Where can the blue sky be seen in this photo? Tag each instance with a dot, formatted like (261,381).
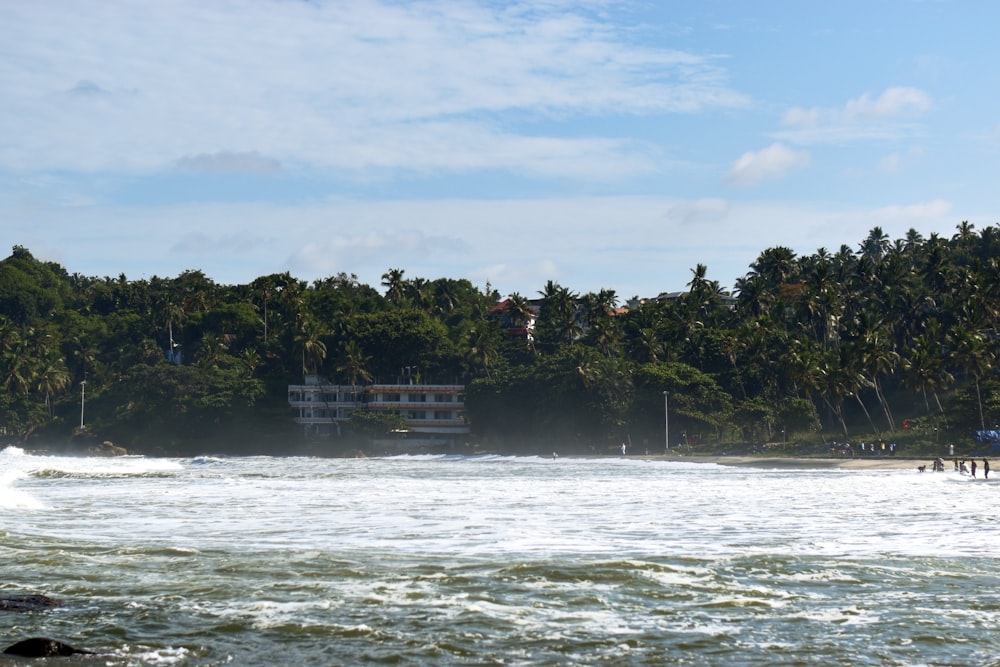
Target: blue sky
(598,144)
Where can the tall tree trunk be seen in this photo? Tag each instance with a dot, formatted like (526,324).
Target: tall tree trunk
(857,395)
(838,410)
(885,405)
(979,401)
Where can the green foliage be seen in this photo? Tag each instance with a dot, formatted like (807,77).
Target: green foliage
(367,425)
(842,344)
(166,403)
(697,403)
(29,289)
(502,406)
(406,338)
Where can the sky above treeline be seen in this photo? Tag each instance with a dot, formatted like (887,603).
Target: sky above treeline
(599,144)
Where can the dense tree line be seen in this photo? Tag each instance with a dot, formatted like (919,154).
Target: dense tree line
(832,345)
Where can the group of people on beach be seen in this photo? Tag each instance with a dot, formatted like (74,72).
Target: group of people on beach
(971,468)
(880,448)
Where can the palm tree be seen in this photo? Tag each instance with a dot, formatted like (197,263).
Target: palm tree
(518,310)
(820,308)
(354,363)
(392,281)
(18,366)
(51,379)
(971,354)
(700,288)
(419,293)
(251,360)
(913,241)
(446,296)
(649,347)
(312,347)
(210,351)
(965,233)
(776,266)
(753,297)
(558,323)
(170,314)
(878,359)
(9,335)
(875,246)
(483,345)
(923,370)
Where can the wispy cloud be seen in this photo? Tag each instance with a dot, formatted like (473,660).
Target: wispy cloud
(699,211)
(87,89)
(515,245)
(891,114)
(226,161)
(892,102)
(899,160)
(918,213)
(770,163)
(328,256)
(199,244)
(344,85)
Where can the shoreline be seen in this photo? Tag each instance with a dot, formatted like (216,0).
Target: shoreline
(792,462)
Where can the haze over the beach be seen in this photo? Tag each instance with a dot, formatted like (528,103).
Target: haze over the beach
(599,144)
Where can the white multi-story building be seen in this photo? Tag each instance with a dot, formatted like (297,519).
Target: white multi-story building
(433,414)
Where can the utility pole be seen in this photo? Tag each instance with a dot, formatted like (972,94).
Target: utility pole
(83,400)
(666,422)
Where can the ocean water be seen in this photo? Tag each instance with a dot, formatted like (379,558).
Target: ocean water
(498,561)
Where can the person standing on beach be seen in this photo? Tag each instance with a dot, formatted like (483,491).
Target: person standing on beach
(973,465)
(986,469)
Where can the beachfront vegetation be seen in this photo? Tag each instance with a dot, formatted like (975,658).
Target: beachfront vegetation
(894,339)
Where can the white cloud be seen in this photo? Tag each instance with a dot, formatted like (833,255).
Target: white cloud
(770,163)
(227,161)
(345,85)
(199,244)
(525,274)
(899,160)
(634,245)
(699,211)
(87,89)
(892,102)
(915,213)
(888,116)
(324,256)
(803,117)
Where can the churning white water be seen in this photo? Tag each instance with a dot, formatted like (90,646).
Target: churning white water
(498,560)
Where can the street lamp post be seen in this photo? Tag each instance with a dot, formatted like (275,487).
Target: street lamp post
(83,400)
(666,422)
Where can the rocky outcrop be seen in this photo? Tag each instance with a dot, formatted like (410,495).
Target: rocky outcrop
(106,448)
(36,647)
(27,603)
(42,647)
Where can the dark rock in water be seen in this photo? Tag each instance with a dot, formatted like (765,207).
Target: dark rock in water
(107,448)
(40,647)
(28,603)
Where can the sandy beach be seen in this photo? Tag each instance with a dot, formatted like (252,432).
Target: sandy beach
(884,463)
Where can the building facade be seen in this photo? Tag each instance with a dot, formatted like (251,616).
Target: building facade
(433,414)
